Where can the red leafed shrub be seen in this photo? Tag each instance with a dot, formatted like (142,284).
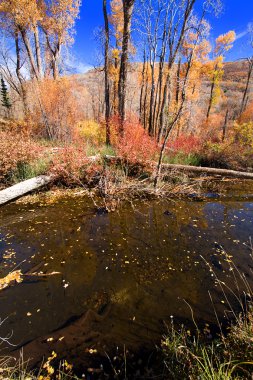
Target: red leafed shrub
(16,148)
(72,166)
(185,144)
(136,146)
(247,115)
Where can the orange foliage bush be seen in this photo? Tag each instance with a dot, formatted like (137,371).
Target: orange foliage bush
(247,114)
(136,146)
(72,166)
(55,110)
(212,129)
(16,148)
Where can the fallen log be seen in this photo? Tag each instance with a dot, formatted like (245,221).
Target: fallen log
(213,171)
(24,188)
(195,169)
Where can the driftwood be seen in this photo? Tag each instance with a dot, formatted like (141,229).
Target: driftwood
(212,171)
(23,188)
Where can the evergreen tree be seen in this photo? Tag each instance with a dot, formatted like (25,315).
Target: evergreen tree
(5,97)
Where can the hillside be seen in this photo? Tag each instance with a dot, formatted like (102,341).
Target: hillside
(232,85)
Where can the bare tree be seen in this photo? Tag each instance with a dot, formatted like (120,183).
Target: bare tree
(180,14)
(141,118)
(11,64)
(128,6)
(106,73)
(249,60)
(174,48)
(153,26)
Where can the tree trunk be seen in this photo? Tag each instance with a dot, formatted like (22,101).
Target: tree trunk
(178,80)
(211,95)
(29,53)
(116,81)
(19,76)
(106,68)
(210,101)
(128,6)
(23,188)
(38,52)
(55,61)
(224,129)
(153,54)
(157,105)
(152,95)
(250,70)
(163,105)
(142,87)
(213,171)
(54,53)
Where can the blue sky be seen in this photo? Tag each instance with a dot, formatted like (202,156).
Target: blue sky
(236,15)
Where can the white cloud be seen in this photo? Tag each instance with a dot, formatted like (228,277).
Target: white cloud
(82,67)
(248,30)
(74,64)
(242,34)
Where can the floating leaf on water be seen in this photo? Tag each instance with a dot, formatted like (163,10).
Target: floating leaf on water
(15,276)
(92,351)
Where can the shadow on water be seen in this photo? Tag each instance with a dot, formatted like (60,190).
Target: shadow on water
(121,276)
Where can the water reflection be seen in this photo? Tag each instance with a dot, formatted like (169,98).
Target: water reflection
(124,274)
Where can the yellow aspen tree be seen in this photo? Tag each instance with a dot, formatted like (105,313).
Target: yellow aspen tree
(117,22)
(58,26)
(223,44)
(21,17)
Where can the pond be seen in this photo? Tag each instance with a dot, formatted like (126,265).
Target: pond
(97,283)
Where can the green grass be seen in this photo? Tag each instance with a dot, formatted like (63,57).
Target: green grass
(29,170)
(186,357)
(107,150)
(93,150)
(183,159)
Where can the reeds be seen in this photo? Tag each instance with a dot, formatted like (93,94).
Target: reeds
(228,356)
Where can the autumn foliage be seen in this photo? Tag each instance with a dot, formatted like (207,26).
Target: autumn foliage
(185,144)
(55,110)
(71,165)
(136,146)
(247,115)
(16,148)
